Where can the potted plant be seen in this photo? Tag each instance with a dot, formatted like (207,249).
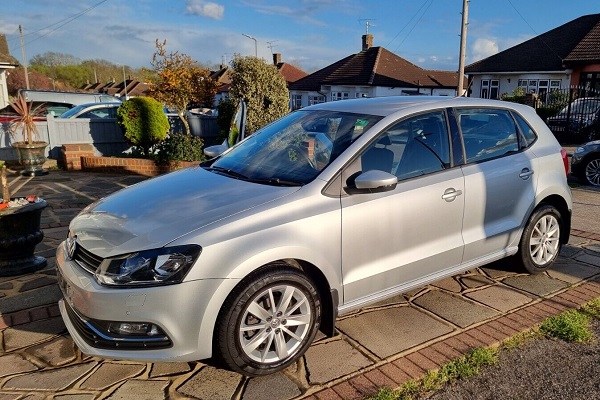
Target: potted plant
(32,153)
(19,232)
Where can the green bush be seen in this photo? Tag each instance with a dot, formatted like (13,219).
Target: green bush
(179,147)
(143,121)
(225,111)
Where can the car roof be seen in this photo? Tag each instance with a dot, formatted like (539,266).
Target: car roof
(384,106)
(102,104)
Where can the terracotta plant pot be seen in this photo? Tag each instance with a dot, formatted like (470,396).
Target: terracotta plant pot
(19,234)
(32,156)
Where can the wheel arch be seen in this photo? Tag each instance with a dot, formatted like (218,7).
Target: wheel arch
(561,205)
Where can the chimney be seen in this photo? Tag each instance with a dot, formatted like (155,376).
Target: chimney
(276,58)
(367,41)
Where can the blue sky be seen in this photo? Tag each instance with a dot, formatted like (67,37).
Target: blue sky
(308,33)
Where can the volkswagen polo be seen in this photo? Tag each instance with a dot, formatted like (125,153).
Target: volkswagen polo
(331,208)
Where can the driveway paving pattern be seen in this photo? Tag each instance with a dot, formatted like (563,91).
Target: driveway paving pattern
(382,345)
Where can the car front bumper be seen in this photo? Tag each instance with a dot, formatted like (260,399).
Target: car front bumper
(183,313)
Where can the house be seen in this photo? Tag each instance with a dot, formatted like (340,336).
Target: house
(373,72)
(560,58)
(7,62)
(222,76)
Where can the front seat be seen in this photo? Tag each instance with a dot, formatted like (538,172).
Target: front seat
(377,157)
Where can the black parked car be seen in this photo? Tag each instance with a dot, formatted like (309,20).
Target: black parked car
(578,121)
(585,163)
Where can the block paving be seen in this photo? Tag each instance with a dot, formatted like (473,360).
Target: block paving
(383,345)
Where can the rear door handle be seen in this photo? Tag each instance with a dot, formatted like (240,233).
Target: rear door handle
(450,194)
(525,173)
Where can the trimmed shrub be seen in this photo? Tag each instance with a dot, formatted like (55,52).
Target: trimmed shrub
(179,147)
(143,122)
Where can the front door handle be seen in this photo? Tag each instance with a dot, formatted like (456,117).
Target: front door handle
(450,194)
(525,173)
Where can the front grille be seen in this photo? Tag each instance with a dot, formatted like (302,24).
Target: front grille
(93,336)
(86,260)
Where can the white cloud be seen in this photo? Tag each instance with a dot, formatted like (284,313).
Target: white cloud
(205,9)
(483,48)
(433,58)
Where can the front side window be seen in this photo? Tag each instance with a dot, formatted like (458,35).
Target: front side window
(294,149)
(487,133)
(413,147)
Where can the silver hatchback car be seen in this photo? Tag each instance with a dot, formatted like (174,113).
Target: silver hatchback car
(329,209)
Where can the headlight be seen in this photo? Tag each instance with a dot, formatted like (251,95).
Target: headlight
(148,268)
(579,150)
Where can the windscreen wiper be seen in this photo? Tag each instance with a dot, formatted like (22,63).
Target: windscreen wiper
(228,172)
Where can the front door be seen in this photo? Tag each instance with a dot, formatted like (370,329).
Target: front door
(412,232)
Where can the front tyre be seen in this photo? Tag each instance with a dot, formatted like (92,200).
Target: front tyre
(268,321)
(540,243)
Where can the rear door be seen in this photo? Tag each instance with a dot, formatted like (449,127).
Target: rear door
(500,179)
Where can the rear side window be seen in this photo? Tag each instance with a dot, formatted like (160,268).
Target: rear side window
(528,136)
(487,133)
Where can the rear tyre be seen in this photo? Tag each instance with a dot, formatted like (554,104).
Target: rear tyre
(592,171)
(540,243)
(268,321)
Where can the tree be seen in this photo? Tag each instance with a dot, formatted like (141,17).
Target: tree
(262,87)
(179,80)
(54,59)
(144,122)
(16,81)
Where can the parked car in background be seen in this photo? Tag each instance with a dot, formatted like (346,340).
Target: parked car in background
(327,210)
(93,111)
(580,120)
(585,163)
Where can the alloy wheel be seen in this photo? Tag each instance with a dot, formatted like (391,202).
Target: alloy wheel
(275,324)
(545,239)
(592,172)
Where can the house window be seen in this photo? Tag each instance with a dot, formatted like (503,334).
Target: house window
(490,88)
(523,83)
(555,84)
(360,95)
(590,82)
(296,101)
(335,96)
(315,100)
(543,89)
(532,86)
(485,89)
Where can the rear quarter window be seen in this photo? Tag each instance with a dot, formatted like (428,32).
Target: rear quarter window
(528,136)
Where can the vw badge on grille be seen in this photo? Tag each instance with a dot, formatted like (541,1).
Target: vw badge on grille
(71,246)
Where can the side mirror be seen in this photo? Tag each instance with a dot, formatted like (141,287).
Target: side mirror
(215,151)
(375,181)
(237,132)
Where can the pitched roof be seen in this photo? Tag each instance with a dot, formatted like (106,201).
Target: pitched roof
(547,51)
(588,49)
(290,73)
(375,66)
(5,57)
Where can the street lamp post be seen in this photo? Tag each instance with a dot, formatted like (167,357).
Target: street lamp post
(255,44)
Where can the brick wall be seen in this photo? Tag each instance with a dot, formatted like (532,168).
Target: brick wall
(81,157)
(71,155)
